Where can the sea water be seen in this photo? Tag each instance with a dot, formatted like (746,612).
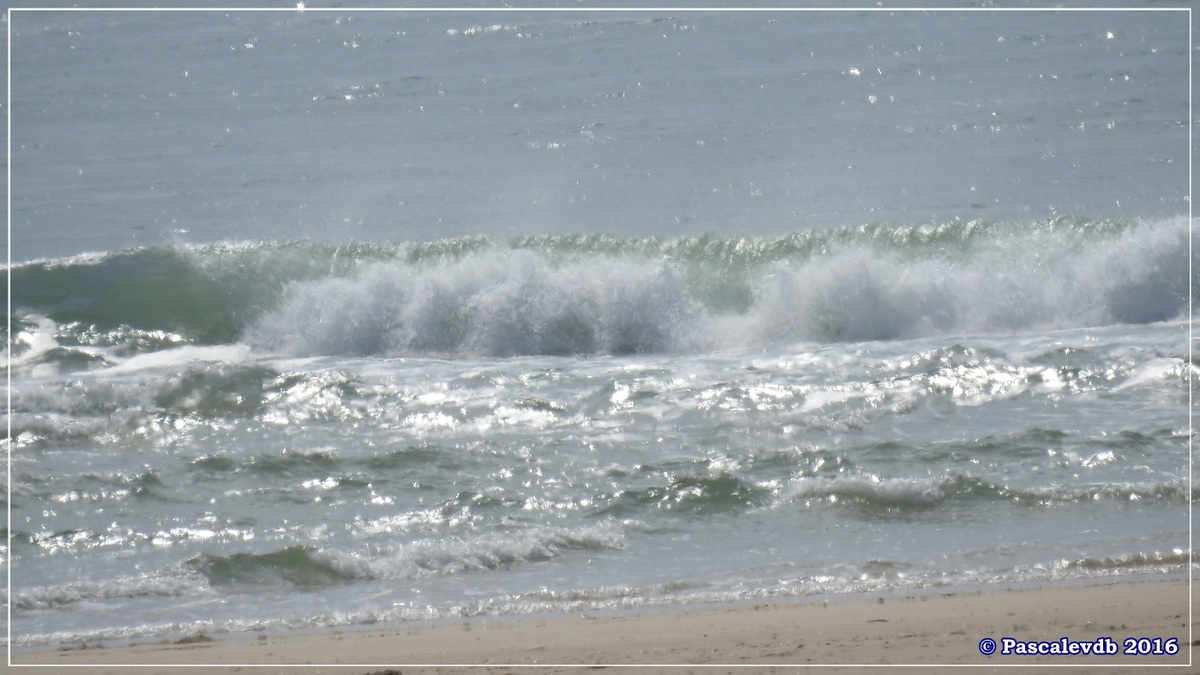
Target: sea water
(324,318)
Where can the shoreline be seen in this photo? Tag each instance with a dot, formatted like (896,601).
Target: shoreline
(923,628)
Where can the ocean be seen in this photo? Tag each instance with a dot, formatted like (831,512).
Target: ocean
(323,317)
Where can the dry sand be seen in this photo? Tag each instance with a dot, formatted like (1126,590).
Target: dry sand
(926,628)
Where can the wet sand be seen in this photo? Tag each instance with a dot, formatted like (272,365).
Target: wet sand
(935,628)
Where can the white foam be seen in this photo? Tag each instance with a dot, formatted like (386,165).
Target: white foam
(179,356)
(1152,373)
(518,302)
(502,304)
(37,341)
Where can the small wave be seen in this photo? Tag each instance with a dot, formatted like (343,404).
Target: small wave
(723,492)
(1154,561)
(311,567)
(883,495)
(296,566)
(487,552)
(288,463)
(900,495)
(48,597)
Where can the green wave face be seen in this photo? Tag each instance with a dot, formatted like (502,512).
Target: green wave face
(295,566)
(149,289)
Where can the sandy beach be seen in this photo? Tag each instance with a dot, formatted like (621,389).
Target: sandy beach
(941,628)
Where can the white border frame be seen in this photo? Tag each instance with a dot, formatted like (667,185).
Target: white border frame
(301,7)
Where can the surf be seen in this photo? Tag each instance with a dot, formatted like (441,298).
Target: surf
(604,294)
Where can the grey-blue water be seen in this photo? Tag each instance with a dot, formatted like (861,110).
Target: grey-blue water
(331,317)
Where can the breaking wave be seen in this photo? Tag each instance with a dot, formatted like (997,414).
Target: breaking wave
(600,294)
